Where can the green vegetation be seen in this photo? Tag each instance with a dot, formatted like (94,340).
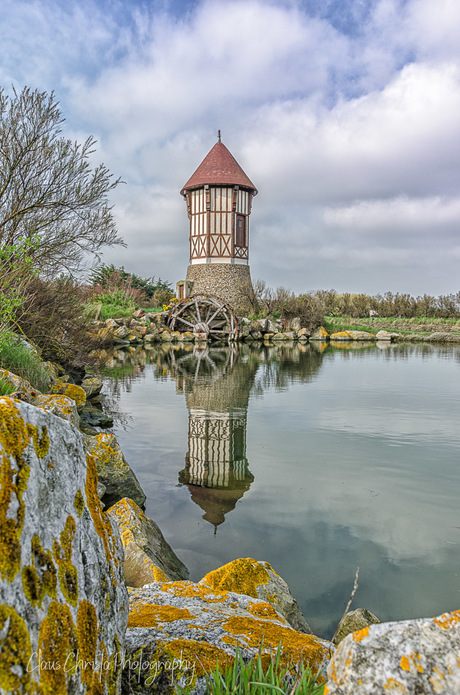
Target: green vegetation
(107,275)
(252,678)
(405,326)
(18,357)
(5,387)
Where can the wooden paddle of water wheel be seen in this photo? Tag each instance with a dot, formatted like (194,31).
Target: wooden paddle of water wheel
(205,315)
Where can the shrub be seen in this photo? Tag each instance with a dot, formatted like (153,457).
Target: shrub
(162,296)
(20,358)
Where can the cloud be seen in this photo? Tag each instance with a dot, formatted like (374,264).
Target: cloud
(345,115)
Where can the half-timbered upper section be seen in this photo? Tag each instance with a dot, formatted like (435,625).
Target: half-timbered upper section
(219,198)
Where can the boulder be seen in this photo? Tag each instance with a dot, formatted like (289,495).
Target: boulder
(152,335)
(441,337)
(148,557)
(64,604)
(320,334)
(113,470)
(259,580)
(92,386)
(165,336)
(352,335)
(188,628)
(122,333)
(386,335)
(139,313)
(21,386)
(76,393)
(62,406)
(353,621)
(295,324)
(415,657)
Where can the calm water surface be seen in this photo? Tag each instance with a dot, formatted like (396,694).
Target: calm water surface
(318,460)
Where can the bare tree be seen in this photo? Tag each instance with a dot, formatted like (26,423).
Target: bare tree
(49,191)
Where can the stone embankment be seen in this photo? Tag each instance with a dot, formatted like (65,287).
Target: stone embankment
(68,571)
(147,328)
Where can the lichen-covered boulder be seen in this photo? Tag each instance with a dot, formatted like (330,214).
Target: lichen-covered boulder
(259,580)
(62,406)
(386,335)
(63,602)
(320,334)
(148,557)
(76,393)
(352,335)
(92,386)
(414,657)
(113,470)
(192,626)
(354,621)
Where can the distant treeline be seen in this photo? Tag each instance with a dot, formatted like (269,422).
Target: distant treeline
(389,305)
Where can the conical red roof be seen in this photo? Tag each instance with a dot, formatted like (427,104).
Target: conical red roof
(219,168)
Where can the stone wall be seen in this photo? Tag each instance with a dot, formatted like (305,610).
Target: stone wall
(225,280)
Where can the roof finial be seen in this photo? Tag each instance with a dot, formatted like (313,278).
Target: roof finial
(218,135)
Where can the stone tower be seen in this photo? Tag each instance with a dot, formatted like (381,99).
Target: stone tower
(219,198)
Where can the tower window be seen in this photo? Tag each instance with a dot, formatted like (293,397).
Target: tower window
(240,233)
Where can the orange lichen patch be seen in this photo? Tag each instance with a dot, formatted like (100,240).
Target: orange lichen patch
(101,520)
(448,620)
(191,659)
(58,648)
(41,442)
(14,435)
(437,679)
(395,686)
(87,641)
(76,393)
(242,576)
(263,610)
(191,590)
(151,615)
(39,578)
(79,502)
(295,646)
(14,474)
(15,652)
(68,574)
(407,663)
(361,634)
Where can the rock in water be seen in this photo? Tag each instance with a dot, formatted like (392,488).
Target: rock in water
(63,608)
(148,557)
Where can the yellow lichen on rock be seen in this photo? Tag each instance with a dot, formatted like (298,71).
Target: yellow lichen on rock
(58,649)
(76,393)
(68,574)
(15,652)
(243,576)
(151,615)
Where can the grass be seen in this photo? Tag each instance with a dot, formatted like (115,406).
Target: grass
(19,358)
(252,678)
(5,387)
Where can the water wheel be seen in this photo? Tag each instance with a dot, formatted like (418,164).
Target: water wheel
(205,315)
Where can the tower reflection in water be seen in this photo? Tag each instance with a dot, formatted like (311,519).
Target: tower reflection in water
(217,388)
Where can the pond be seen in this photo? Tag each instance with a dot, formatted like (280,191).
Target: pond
(316,458)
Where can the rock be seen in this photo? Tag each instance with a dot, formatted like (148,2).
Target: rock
(256,334)
(20,385)
(94,417)
(440,337)
(353,621)
(76,393)
(92,386)
(122,333)
(148,557)
(415,657)
(63,596)
(352,335)
(258,579)
(152,335)
(62,406)
(285,335)
(113,470)
(139,313)
(194,626)
(303,333)
(386,335)
(186,336)
(295,324)
(111,323)
(320,334)
(165,336)
(176,335)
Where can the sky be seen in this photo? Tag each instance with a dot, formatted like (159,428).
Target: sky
(344,113)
